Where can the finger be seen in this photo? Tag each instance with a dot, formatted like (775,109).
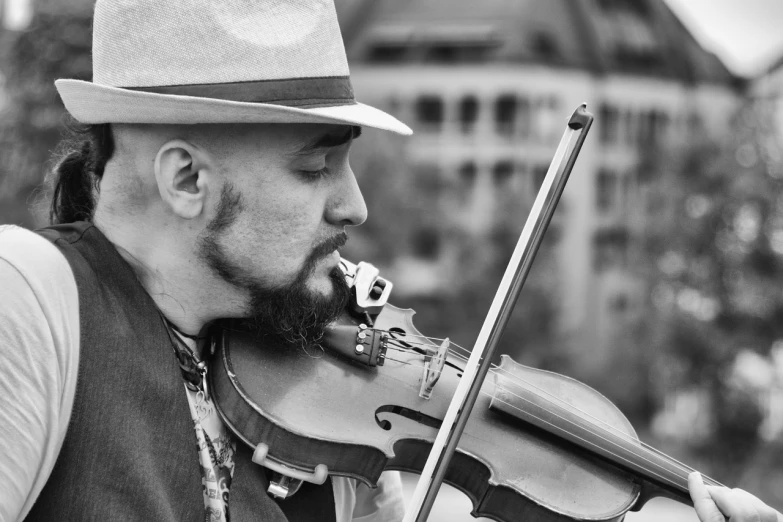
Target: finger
(765,512)
(769,514)
(702,501)
(736,504)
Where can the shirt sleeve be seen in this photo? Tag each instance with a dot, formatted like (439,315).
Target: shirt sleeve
(382,504)
(39,349)
(356,502)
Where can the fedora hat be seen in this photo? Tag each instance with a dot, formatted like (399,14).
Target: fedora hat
(227,61)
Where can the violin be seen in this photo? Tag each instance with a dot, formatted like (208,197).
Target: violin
(538,445)
(383,396)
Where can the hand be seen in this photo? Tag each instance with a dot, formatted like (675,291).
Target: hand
(714,504)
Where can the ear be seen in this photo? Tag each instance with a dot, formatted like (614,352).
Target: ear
(183,173)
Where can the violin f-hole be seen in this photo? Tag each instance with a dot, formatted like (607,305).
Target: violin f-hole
(416,416)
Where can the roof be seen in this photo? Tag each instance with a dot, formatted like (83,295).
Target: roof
(633,36)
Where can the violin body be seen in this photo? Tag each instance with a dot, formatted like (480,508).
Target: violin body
(358,420)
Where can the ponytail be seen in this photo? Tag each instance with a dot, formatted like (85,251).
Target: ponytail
(81,160)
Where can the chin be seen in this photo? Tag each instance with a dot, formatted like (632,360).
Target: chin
(322,285)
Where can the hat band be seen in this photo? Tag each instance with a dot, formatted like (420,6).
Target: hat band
(292,92)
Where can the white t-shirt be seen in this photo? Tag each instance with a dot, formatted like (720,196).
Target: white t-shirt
(39,361)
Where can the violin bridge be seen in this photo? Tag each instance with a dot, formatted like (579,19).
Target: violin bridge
(433,366)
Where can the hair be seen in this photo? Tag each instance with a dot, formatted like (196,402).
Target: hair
(80,160)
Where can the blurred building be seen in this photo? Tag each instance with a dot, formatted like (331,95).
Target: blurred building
(488,91)
(768,90)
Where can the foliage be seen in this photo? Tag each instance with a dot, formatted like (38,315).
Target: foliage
(713,242)
(52,47)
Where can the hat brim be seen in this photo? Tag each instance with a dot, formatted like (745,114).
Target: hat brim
(94,103)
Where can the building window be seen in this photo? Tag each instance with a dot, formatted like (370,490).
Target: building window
(609,119)
(524,117)
(610,249)
(388,52)
(605,190)
(626,190)
(547,119)
(502,172)
(441,53)
(457,52)
(429,112)
(544,45)
(619,304)
(506,114)
(629,127)
(652,126)
(695,123)
(468,113)
(467,172)
(662,126)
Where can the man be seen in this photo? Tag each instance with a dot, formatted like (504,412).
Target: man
(213,182)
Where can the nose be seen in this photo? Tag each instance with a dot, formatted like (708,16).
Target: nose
(347,206)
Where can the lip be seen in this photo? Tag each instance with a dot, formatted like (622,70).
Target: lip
(333,258)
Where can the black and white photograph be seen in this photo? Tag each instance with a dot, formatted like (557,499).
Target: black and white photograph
(391,260)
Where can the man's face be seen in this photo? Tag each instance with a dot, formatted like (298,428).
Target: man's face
(288,196)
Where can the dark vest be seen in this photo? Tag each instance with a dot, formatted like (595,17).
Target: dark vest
(130,450)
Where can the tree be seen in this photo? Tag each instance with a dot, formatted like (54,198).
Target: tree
(714,246)
(52,47)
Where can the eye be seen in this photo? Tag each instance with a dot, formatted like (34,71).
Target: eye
(315,174)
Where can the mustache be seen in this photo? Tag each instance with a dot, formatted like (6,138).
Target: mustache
(321,250)
(328,246)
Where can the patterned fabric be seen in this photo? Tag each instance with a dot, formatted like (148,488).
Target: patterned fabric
(215,445)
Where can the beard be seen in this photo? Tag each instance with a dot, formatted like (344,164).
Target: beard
(292,312)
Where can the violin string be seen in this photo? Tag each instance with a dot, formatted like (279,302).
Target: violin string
(403,362)
(672,482)
(555,426)
(409,345)
(576,410)
(636,443)
(411,351)
(586,416)
(404,349)
(665,479)
(579,411)
(408,335)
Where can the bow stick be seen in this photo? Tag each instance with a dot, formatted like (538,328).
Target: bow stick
(499,313)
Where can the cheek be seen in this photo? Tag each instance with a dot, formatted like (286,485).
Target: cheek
(274,236)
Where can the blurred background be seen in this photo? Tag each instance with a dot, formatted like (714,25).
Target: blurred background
(660,282)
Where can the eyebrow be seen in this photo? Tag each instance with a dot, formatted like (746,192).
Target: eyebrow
(328,141)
